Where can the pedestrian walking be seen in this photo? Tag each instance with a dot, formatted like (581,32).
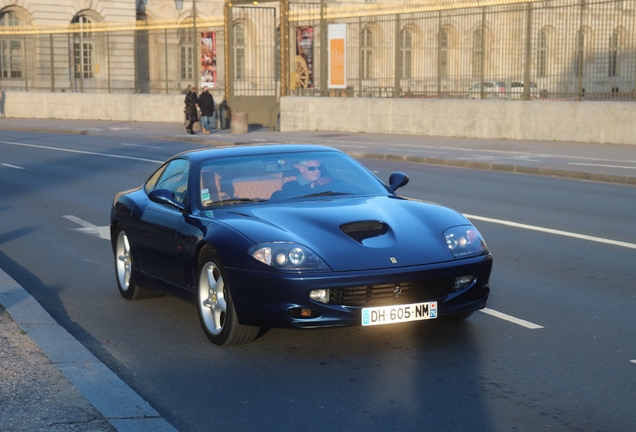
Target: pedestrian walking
(191,104)
(206,104)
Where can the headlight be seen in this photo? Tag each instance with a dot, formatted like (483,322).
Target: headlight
(287,256)
(465,241)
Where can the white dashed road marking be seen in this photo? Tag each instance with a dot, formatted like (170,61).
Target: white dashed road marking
(12,166)
(503,316)
(141,145)
(553,231)
(82,152)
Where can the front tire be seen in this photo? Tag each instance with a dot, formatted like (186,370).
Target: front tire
(124,268)
(214,304)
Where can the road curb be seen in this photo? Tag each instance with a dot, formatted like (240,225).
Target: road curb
(120,405)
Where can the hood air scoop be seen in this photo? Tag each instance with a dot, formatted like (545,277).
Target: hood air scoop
(360,231)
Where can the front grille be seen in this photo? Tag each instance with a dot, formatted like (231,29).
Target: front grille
(385,294)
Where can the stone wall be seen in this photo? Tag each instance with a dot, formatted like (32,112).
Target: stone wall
(95,106)
(595,122)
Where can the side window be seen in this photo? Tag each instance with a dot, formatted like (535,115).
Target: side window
(173,176)
(151,183)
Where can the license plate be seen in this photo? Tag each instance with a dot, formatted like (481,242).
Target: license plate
(397,314)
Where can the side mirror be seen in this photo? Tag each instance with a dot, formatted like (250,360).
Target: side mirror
(397,180)
(165,196)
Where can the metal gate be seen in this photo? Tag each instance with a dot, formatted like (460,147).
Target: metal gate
(253,63)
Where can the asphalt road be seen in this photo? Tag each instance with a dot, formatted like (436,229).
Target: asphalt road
(556,348)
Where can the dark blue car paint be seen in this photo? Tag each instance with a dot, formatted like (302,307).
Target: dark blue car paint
(166,243)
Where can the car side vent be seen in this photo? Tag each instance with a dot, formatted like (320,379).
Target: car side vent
(363,230)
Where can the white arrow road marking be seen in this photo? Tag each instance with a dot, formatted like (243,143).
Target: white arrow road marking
(632,361)
(89,228)
(503,316)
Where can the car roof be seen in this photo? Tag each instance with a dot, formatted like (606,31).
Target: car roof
(251,150)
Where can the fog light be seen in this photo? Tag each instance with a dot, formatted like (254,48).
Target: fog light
(462,281)
(321,295)
(303,313)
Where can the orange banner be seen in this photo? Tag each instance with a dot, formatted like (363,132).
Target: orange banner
(337,56)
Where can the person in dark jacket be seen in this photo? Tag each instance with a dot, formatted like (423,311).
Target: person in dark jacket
(206,105)
(191,104)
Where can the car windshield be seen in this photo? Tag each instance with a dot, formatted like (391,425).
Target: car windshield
(284,176)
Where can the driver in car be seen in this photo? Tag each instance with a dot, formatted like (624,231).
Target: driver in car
(310,177)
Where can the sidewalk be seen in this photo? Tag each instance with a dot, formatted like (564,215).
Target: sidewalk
(35,394)
(50,382)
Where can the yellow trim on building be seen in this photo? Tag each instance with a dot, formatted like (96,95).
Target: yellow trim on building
(104,27)
(332,12)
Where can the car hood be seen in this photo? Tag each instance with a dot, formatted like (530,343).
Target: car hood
(410,232)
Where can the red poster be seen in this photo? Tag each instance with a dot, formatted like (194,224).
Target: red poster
(208,59)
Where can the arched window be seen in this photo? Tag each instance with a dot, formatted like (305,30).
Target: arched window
(83,48)
(582,55)
(478,53)
(444,54)
(615,43)
(406,53)
(239,50)
(186,50)
(11,62)
(542,53)
(367,49)
(580,50)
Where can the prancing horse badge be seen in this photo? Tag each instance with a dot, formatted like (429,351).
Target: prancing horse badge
(393,260)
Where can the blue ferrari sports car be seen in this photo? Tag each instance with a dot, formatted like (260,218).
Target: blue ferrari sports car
(293,235)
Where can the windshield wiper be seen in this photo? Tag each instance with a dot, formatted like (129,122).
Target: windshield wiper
(325,193)
(238,201)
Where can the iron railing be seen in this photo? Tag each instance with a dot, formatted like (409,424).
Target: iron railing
(141,58)
(554,50)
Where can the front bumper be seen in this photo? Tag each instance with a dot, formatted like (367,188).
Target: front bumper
(274,298)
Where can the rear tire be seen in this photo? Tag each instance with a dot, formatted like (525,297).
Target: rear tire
(215,306)
(124,269)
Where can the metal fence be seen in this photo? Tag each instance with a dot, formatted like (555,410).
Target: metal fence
(559,49)
(555,49)
(140,59)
